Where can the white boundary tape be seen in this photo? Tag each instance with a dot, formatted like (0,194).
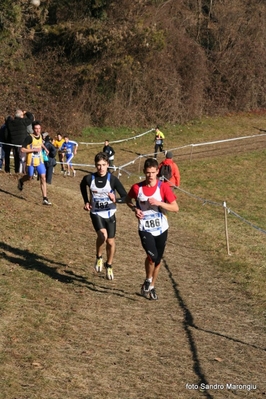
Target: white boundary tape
(122,140)
(205,201)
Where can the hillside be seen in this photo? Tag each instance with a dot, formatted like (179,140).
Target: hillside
(69,333)
(131,63)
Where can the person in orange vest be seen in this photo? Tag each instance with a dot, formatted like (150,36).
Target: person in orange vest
(168,171)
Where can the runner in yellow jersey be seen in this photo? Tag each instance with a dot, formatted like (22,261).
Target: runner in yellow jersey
(159,138)
(32,147)
(58,142)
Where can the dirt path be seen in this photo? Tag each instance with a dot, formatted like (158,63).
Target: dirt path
(68,333)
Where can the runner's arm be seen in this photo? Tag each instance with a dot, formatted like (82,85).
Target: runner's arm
(26,142)
(169,199)
(138,212)
(86,181)
(171,207)
(118,186)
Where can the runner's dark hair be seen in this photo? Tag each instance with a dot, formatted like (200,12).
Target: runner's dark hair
(101,156)
(151,163)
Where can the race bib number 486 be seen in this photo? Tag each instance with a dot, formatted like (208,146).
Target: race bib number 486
(152,223)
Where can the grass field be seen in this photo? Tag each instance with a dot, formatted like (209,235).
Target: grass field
(69,333)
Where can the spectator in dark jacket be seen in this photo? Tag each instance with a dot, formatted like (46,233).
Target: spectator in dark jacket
(110,152)
(16,134)
(50,162)
(2,141)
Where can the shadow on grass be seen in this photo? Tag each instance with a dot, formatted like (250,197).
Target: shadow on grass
(188,324)
(189,317)
(31,261)
(100,288)
(131,152)
(13,195)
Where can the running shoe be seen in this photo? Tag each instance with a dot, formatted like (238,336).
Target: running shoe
(68,173)
(98,265)
(46,201)
(153,294)
(20,185)
(74,173)
(109,272)
(145,289)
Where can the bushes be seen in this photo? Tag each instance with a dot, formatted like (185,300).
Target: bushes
(132,62)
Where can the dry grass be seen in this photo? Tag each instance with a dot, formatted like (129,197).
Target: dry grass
(68,333)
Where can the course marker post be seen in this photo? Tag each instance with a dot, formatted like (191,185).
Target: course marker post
(226,228)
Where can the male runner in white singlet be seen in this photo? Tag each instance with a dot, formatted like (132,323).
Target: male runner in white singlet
(102,207)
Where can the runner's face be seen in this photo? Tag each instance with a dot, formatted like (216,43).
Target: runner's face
(151,175)
(37,130)
(102,167)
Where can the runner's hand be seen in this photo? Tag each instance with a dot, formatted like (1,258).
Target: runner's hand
(112,197)
(87,206)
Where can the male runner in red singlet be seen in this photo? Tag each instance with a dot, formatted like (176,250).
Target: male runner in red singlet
(152,198)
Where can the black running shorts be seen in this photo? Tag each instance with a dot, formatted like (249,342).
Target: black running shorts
(108,224)
(153,245)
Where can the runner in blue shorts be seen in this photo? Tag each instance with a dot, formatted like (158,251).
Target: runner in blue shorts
(102,207)
(69,148)
(32,147)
